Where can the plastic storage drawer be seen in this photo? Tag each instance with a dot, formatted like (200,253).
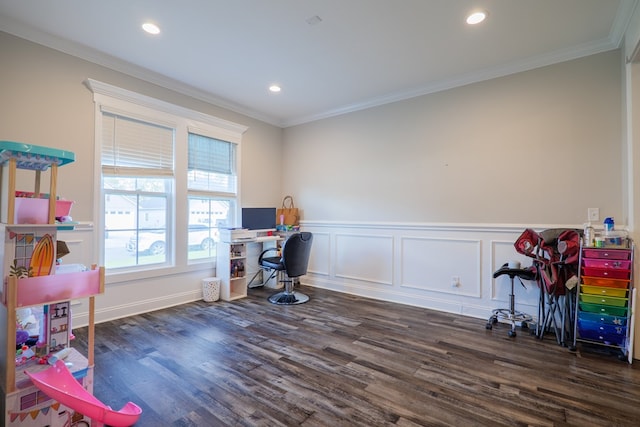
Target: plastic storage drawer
(595,335)
(602,318)
(607,263)
(603,309)
(609,283)
(598,299)
(603,328)
(607,253)
(610,273)
(601,290)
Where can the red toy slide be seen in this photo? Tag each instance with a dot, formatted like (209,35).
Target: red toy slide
(60,385)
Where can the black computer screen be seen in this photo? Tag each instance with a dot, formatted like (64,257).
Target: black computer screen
(258,218)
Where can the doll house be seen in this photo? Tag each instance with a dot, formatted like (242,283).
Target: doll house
(35,314)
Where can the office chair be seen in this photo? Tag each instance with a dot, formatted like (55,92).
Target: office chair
(293,262)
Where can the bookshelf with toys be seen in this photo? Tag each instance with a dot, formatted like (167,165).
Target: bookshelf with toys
(35,315)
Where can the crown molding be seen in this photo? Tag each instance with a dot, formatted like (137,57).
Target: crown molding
(614,40)
(91,55)
(527,64)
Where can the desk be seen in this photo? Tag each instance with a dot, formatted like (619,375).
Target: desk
(254,249)
(241,257)
(262,239)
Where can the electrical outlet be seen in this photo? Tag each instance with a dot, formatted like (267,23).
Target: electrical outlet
(455,281)
(593,214)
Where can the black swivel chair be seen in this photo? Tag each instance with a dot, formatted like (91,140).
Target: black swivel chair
(293,262)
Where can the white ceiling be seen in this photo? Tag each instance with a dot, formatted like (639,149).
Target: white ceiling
(362,53)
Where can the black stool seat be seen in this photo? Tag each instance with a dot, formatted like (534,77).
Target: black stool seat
(510,314)
(522,273)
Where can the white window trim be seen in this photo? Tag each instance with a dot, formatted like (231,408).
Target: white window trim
(228,129)
(113,99)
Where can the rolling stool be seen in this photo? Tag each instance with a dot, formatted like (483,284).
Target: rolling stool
(510,314)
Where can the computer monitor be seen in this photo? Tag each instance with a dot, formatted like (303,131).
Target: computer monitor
(258,218)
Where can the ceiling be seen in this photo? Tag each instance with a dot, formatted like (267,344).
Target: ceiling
(329,56)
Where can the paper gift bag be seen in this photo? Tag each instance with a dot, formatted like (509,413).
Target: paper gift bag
(288,213)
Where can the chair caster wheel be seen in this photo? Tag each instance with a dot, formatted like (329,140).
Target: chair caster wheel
(489,326)
(512,333)
(572,349)
(524,325)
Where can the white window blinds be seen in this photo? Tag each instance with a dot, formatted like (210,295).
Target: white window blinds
(136,147)
(210,155)
(211,164)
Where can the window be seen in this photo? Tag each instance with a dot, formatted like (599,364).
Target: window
(212,184)
(137,183)
(168,180)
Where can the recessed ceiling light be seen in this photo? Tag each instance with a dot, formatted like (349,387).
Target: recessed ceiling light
(476,17)
(275,88)
(151,28)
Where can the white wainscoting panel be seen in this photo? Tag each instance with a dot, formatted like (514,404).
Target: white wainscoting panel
(406,263)
(431,264)
(414,264)
(320,260)
(367,258)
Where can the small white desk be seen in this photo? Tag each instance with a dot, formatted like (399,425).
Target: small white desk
(254,249)
(237,263)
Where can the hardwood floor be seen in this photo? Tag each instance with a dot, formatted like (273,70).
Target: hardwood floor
(341,360)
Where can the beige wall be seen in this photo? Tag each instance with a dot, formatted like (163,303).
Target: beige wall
(534,149)
(45,102)
(538,147)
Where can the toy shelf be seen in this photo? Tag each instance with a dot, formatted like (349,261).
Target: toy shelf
(28,254)
(78,362)
(50,289)
(33,157)
(16,155)
(44,290)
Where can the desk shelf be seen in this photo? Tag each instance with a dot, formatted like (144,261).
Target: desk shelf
(231,270)
(236,262)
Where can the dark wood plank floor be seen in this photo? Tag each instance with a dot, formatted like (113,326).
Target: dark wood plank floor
(341,360)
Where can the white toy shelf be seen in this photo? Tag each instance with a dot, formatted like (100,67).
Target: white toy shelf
(28,257)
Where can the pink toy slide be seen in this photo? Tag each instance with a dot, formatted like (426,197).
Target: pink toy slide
(60,385)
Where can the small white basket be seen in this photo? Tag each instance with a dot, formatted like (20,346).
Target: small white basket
(211,289)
